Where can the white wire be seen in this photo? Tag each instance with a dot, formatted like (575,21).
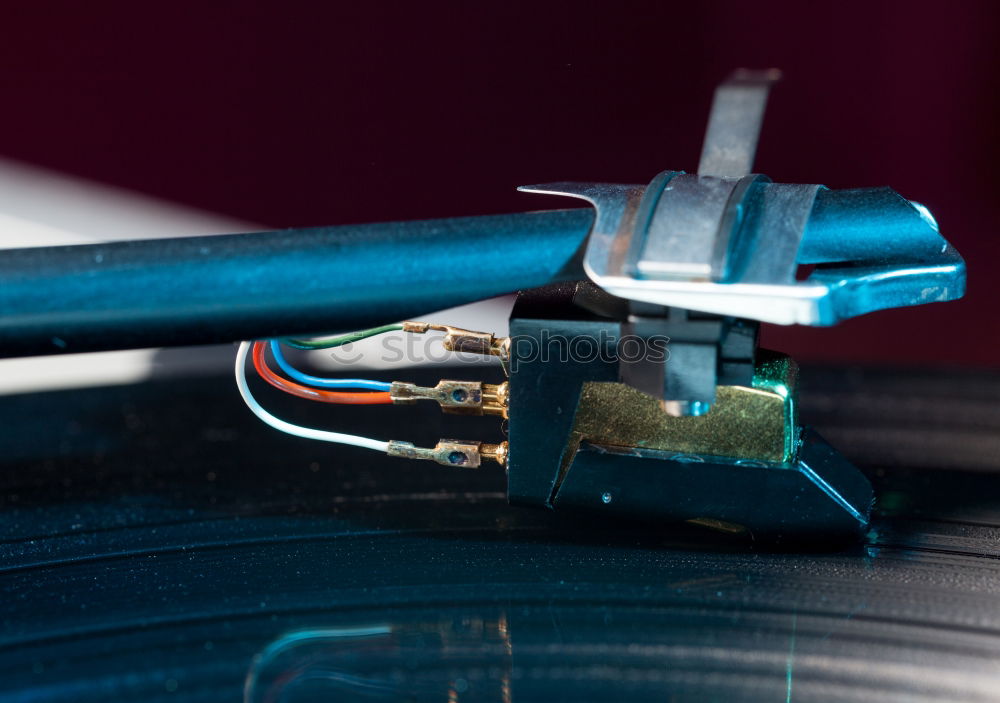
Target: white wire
(298,431)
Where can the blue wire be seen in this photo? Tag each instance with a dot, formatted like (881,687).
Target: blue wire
(323,382)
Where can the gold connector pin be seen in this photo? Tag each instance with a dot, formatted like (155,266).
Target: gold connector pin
(456,397)
(452,452)
(458,340)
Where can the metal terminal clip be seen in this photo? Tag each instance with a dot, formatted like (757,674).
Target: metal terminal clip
(456,397)
(459,340)
(452,452)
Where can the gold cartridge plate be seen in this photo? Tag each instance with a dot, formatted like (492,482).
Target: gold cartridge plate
(756,423)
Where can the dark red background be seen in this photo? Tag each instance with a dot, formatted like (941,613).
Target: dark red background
(320,113)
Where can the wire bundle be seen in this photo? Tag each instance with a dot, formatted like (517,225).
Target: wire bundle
(352,391)
(302,389)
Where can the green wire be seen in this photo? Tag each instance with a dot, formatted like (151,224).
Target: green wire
(340,339)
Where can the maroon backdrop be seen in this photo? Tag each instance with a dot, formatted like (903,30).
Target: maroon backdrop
(300,114)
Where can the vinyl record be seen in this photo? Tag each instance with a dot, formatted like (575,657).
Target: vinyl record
(159,543)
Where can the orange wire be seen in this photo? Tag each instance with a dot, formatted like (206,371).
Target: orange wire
(323,396)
